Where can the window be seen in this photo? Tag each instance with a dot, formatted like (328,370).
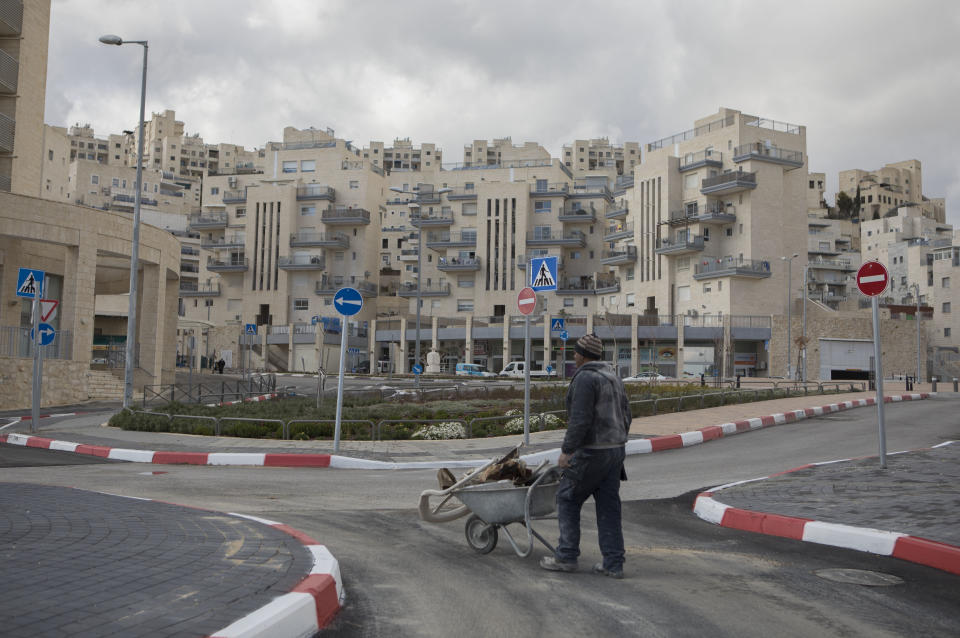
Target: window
(465,282)
(116,181)
(630,274)
(308,166)
(946,307)
(354,184)
(707,289)
(241,212)
(308,210)
(683,293)
(946,332)
(691,181)
(683,263)
(94,179)
(945,282)
(631,300)
(50,155)
(214,190)
(338,256)
(729,232)
(542,207)
(290,166)
(568,302)
(301,304)
(464,305)
(719,286)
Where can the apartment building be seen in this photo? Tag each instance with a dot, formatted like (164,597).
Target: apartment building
(402,156)
(894,185)
(833,256)
(599,154)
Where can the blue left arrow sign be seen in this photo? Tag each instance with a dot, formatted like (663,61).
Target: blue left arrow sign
(348,301)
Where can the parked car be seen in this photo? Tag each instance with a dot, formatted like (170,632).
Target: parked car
(515,369)
(645,377)
(362,368)
(472,370)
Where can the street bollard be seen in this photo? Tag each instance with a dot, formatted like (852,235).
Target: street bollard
(738,381)
(909,383)
(933,381)
(954,384)
(702,382)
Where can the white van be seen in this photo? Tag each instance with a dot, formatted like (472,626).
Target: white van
(472,370)
(515,369)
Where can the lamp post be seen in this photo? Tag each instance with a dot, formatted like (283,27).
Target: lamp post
(415,204)
(135,248)
(803,369)
(916,293)
(789,261)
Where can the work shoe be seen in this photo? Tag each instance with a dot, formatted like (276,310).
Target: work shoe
(550,563)
(600,569)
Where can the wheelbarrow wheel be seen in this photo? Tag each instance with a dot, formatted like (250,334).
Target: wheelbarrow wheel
(480,536)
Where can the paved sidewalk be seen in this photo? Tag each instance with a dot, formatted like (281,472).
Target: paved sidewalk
(78,563)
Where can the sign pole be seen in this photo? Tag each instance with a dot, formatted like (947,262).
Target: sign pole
(879,382)
(526,380)
(343,358)
(37,362)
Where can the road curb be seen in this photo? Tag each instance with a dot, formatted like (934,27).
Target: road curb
(915,549)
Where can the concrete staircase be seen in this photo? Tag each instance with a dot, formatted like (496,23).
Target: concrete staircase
(103,385)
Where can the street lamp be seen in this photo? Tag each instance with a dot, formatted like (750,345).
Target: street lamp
(803,369)
(135,248)
(415,204)
(916,293)
(789,261)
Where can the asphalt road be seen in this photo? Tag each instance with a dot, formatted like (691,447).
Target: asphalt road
(685,577)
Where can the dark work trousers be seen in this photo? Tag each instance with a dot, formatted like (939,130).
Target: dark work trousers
(593,473)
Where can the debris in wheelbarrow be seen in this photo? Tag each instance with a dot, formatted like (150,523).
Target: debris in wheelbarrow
(507,467)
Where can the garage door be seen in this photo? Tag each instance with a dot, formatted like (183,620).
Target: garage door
(845,358)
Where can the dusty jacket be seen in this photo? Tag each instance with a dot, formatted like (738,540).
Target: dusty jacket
(598,411)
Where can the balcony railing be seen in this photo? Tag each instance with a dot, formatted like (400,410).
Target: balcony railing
(228,265)
(618,210)
(409,289)
(192,289)
(425,221)
(237,241)
(729,183)
(715,213)
(680,246)
(523,261)
(315,191)
(546,237)
(209,220)
(613,232)
(308,238)
(588,286)
(330,285)
(840,264)
(716,125)
(458,263)
(618,257)
(577,215)
(11,17)
(561,189)
(460,239)
(760,151)
(706,157)
(302,262)
(9,72)
(711,267)
(345,216)
(462,193)
(189,250)
(773,125)
(235,196)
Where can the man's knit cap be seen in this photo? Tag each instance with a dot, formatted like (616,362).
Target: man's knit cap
(590,346)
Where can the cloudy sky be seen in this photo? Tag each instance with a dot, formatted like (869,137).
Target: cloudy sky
(873,81)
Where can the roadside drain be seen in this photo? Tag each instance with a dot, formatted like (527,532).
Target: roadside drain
(859,577)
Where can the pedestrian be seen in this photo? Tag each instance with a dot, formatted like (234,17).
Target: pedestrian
(220,365)
(598,420)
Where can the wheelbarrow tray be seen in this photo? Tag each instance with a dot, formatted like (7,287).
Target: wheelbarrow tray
(501,502)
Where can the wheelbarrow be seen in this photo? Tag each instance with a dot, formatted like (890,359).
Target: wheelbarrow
(493,506)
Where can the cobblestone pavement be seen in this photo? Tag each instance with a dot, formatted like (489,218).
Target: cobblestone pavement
(918,494)
(79,563)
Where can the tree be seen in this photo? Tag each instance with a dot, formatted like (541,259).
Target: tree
(856,202)
(845,205)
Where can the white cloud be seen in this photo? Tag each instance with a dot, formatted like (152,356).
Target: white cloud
(873,82)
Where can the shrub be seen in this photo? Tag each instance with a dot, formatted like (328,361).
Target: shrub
(441,431)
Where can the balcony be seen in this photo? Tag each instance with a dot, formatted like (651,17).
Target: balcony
(546,237)
(619,257)
(463,239)
(11,17)
(237,241)
(560,189)
(762,152)
(461,193)
(583,188)
(613,232)
(189,252)
(680,246)
(315,191)
(712,267)
(522,261)
(587,286)
(208,221)
(228,265)
(832,264)
(128,198)
(235,196)
(313,239)
(191,289)
(301,262)
(409,254)
(409,289)
(458,264)
(713,214)
(727,183)
(618,211)
(822,248)
(328,286)
(9,72)
(428,221)
(693,161)
(577,215)
(342,216)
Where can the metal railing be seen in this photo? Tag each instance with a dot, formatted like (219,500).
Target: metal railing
(15,342)
(203,393)
(716,125)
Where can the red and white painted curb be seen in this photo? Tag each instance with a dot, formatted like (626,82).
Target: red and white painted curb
(875,541)
(635,446)
(18,419)
(308,608)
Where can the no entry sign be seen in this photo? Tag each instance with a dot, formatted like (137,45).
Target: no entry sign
(526,301)
(872,278)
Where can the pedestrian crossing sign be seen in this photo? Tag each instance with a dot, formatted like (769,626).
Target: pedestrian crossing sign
(557,325)
(543,273)
(30,283)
